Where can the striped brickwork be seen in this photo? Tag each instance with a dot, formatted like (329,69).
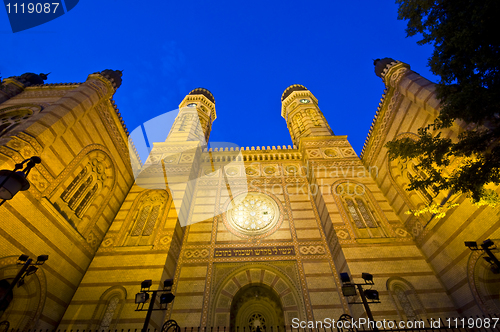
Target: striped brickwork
(409,103)
(68,124)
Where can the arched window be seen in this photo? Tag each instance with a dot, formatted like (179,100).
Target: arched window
(85,186)
(84,191)
(297,118)
(314,117)
(404,302)
(186,118)
(360,211)
(405,298)
(429,193)
(109,313)
(12,119)
(145,217)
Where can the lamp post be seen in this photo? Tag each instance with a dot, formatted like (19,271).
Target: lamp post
(349,289)
(28,268)
(165,298)
(486,247)
(11,182)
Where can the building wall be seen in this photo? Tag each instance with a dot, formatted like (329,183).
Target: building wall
(68,126)
(329,212)
(410,102)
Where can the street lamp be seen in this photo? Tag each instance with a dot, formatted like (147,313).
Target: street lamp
(11,182)
(486,247)
(141,298)
(27,269)
(349,289)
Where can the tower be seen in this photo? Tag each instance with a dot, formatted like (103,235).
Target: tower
(196,115)
(148,232)
(302,114)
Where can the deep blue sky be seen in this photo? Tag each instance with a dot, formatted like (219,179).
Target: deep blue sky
(245,53)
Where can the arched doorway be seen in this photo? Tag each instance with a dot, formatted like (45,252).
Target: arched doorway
(6,294)
(25,302)
(233,281)
(484,283)
(256,308)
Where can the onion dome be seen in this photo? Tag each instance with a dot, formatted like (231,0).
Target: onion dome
(204,92)
(381,64)
(288,91)
(114,76)
(29,79)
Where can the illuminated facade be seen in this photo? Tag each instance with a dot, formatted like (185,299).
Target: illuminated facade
(259,238)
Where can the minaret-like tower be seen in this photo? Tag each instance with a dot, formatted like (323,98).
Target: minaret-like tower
(149,227)
(302,114)
(195,118)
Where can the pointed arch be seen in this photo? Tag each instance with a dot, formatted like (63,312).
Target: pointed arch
(405,298)
(360,210)
(143,219)
(12,117)
(255,274)
(84,188)
(484,284)
(401,174)
(28,300)
(109,308)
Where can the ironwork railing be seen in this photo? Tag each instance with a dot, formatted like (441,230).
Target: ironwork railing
(485,323)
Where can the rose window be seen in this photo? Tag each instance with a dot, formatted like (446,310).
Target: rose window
(257,323)
(255,213)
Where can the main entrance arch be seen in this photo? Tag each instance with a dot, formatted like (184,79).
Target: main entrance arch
(256,307)
(257,293)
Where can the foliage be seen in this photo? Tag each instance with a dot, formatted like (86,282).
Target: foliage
(466,57)
(438,210)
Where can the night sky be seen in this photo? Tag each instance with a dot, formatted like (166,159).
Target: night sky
(245,53)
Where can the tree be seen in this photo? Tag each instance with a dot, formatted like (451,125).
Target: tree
(466,57)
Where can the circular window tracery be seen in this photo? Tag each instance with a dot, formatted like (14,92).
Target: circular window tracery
(253,214)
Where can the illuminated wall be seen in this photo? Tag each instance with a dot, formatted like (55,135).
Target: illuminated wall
(241,230)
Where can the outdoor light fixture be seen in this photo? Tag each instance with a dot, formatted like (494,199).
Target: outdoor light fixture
(146,284)
(41,259)
(349,289)
(12,182)
(28,268)
(22,259)
(487,243)
(31,269)
(344,277)
(471,245)
(487,246)
(367,277)
(167,284)
(371,294)
(141,298)
(166,297)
